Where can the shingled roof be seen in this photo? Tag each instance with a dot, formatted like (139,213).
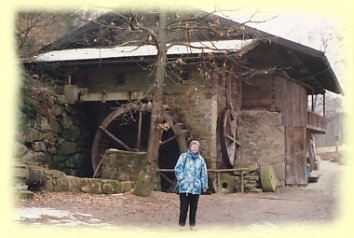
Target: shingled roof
(111,30)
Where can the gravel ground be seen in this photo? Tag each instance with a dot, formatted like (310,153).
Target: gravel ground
(315,203)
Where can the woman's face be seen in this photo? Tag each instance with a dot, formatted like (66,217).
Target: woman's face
(194,148)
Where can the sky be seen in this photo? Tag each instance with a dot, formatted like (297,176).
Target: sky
(309,29)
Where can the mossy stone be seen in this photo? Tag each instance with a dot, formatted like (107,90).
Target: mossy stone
(91,185)
(71,134)
(74,184)
(111,186)
(67,148)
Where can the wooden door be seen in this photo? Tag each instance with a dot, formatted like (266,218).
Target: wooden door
(295,155)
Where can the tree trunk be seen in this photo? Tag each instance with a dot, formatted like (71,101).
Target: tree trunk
(147,177)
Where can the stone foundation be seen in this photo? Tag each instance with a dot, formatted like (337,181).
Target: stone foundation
(262,141)
(57,181)
(61,143)
(122,165)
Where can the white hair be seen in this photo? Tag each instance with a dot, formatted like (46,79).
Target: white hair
(194,142)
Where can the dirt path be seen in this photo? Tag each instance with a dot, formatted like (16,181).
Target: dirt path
(314,203)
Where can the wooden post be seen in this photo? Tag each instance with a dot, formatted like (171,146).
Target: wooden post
(242,185)
(228,90)
(219,181)
(138,140)
(324,104)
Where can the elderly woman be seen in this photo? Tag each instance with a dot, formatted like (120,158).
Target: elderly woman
(192,176)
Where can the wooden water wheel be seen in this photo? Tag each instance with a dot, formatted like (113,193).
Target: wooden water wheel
(229,139)
(126,128)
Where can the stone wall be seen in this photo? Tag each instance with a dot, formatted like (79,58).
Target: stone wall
(61,143)
(262,141)
(57,181)
(197,109)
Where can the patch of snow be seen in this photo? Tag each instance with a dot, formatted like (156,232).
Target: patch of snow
(144,50)
(38,212)
(58,217)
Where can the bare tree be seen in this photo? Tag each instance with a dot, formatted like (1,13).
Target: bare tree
(36,29)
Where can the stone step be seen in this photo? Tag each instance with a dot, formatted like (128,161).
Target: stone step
(250,186)
(20,186)
(251,177)
(250,183)
(24,194)
(254,190)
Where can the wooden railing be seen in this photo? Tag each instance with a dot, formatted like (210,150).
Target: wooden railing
(316,122)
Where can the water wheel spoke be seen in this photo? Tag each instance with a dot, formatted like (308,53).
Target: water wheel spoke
(116,139)
(229,123)
(168,140)
(231,138)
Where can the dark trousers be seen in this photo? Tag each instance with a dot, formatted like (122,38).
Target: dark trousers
(188,201)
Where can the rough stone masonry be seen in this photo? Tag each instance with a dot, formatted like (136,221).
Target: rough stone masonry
(262,138)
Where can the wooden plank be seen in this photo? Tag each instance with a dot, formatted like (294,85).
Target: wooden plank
(302,157)
(291,98)
(256,93)
(290,177)
(110,96)
(273,92)
(295,155)
(324,105)
(280,97)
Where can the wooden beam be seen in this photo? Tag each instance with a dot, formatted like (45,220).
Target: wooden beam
(316,129)
(138,140)
(324,104)
(109,96)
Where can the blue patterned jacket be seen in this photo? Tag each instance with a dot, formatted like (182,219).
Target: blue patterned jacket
(191,174)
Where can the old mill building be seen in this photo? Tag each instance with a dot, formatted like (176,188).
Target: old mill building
(256,113)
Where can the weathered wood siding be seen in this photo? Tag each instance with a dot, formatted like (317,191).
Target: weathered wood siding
(295,155)
(257,93)
(274,92)
(291,100)
(334,129)
(113,79)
